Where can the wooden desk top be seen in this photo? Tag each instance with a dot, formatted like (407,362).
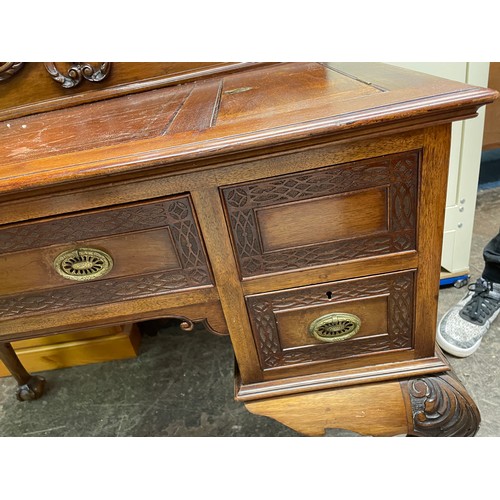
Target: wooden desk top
(96,231)
(220,118)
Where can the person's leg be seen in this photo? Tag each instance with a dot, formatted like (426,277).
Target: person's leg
(462,328)
(491,255)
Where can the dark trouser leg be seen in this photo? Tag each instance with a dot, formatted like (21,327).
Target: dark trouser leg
(491,255)
(151,327)
(30,387)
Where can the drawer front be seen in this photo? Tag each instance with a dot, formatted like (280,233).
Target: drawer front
(101,256)
(382,305)
(331,214)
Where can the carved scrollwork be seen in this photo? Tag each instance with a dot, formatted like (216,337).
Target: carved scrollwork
(9,69)
(77,72)
(152,327)
(441,406)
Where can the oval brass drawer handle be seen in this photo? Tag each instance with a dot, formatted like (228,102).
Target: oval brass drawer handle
(83,264)
(335,327)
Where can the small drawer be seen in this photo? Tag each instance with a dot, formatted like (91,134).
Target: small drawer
(333,321)
(101,256)
(337,213)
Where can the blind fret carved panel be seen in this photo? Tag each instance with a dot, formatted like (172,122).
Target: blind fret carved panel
(399,173)
(398,288)
(174,215)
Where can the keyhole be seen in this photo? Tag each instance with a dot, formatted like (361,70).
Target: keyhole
(329,295)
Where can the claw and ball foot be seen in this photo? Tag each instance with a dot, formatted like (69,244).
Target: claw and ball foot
(33,389)
(29,386)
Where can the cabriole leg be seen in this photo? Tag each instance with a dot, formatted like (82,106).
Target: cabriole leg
(440,406)
(30,386)
(428,406)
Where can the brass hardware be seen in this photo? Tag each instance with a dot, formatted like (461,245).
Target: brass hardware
(335,327)
(83,264)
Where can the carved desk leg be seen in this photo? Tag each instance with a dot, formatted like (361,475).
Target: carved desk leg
(30,386)
(369,409)
(439,406)
(434,405)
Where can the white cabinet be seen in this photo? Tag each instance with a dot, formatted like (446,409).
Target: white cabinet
(465,159)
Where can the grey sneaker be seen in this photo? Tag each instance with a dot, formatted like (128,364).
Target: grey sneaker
(462,328)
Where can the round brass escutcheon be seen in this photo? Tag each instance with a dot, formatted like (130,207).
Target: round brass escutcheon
(83,264)
(335,327)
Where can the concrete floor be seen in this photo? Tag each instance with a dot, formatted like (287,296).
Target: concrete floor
(182,383)
(480,373)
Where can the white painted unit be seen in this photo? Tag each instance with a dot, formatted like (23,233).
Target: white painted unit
(465,159)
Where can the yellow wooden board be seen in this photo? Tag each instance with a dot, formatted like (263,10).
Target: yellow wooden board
(76,349)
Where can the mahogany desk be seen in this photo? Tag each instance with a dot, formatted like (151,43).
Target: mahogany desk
(297,206)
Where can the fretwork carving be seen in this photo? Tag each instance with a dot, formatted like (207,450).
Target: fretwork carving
(400,171)
(399,290)
(174,214)
(96,224)
(90,294)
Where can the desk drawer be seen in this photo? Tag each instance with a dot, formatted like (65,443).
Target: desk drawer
(337,213)
(101,256)
(382,307)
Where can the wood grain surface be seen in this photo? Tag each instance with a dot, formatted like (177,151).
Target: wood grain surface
(76,349)
(374,410)
(252,200)
(292,221)
(253,114)
(34,91)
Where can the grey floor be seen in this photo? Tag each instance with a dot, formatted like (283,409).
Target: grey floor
(181,384)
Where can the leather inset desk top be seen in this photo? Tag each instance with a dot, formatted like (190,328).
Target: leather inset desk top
(247,110)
